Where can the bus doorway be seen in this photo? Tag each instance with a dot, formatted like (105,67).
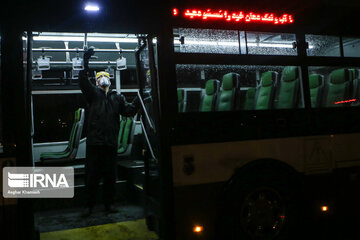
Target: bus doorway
(60,125)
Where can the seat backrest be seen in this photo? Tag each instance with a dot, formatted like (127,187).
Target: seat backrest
(208,98)
(76,136)
(181,100)
(338,88)
(77,116)
(316,84)
(288,91)
(266,90)
(128,130)
(228,94)
(354,73)
(250,98)
(121,130)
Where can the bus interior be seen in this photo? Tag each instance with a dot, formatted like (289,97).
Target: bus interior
(207,87)
(59,127)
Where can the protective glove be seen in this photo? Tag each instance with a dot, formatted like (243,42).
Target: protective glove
(87,55)
(136,103)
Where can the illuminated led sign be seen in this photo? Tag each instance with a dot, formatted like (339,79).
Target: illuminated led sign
(346,101)
(235,16)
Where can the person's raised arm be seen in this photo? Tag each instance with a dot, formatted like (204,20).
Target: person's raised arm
(87,88)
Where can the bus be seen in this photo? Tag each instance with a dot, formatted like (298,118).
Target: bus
(248,124)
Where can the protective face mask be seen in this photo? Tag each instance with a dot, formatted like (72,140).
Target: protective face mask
(104,82)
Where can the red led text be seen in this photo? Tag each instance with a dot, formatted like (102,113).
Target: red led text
(239,16)
(346,101)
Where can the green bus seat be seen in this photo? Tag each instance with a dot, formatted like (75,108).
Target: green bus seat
(316,84)
(288,91)
(228,95)
(121,130)
(69,153)
(126,136)
(266,90)
(208,99)
(249,102)
(181,100)
(338,88)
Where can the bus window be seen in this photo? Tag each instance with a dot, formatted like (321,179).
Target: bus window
(48,118)
(323,46)
(234,87)
(145,73)
(351,47)
(190,40)
(334,86)
(270,43)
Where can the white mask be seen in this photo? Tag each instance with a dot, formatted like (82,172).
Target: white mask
(104,82)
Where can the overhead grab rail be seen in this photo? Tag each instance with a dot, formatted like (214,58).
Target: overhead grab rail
(91,62)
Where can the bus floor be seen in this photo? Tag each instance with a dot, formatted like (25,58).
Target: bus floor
(68,224)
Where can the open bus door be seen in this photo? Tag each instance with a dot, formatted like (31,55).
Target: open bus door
(147,74)
(132,173)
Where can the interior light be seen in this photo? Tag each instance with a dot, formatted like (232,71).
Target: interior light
(91,7)
(81,39)
(198,229)
(276,45)
(324,208)
(235,44)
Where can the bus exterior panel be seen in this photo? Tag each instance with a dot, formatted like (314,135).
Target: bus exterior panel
(203,173)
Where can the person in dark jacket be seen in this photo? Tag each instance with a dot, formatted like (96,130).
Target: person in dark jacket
(105,107)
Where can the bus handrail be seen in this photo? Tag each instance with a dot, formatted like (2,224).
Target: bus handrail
(147,140)
(143,127)
(144,109)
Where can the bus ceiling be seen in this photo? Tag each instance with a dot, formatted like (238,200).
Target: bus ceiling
(60,49)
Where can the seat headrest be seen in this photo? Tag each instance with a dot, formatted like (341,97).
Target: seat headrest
(339,76)
(290,73)
(180,94)
(230,81)
(212,86)
(315,80)
(268,78)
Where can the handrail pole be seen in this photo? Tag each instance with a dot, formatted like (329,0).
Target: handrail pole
(147,139)
(144,109)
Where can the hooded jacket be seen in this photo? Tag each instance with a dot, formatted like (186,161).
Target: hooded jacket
(104,112)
